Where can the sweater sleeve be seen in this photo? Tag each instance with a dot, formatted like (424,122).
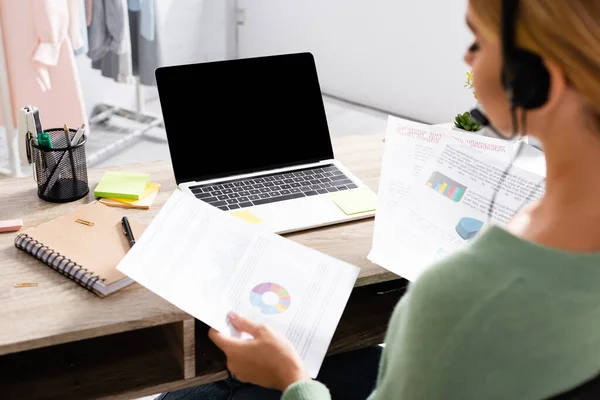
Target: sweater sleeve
(306,390)
(51,21)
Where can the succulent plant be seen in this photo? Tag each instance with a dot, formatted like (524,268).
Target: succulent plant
(466,122)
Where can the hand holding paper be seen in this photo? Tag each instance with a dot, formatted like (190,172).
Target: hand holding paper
(268,360)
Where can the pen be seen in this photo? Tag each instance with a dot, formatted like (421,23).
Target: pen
(127,231)
(68,141)
(78,135)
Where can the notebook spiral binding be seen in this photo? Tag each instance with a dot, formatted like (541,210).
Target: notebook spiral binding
(64,265)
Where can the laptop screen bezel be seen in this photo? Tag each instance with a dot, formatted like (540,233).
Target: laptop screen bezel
(328,153)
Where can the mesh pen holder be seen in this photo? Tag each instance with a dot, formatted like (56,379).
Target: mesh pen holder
(60,172)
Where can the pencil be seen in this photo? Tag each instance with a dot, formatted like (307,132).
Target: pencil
(67,136)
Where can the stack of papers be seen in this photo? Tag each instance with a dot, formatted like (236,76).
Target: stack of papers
(127,190)
(436,188)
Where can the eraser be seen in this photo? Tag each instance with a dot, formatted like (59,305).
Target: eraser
(11,225)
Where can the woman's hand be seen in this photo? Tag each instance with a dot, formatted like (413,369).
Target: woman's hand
(268,360)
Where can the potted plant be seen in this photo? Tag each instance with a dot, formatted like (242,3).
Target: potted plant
(464,121)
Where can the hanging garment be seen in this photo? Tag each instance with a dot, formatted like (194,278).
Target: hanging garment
(107,30)
(88,12)
(114,64)
(145,54)
(134,5)
(147,18)
(75,23)
(125,63)
(40,62)
(78,27)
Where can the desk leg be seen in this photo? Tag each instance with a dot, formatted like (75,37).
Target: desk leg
(181,340)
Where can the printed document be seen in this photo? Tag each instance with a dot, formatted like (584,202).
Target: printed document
(208,263)
(432,202)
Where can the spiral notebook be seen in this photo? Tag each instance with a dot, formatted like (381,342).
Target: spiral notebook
(86,253)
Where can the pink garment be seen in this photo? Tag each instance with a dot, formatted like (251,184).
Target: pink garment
(40,61)
(88,12)
(75,23)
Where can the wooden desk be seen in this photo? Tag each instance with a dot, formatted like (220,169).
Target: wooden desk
(58,340)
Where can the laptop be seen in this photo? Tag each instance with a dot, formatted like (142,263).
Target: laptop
(250,135)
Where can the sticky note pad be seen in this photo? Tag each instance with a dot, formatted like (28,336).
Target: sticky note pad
(151,188)
(122,185)
(143,204)
(246,216)
(355,201)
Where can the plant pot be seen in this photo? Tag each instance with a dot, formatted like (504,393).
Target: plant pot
(454,128)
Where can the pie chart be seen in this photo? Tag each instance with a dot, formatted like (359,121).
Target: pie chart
(468,228)
(270,298)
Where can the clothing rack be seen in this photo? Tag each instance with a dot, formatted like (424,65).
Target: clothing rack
(14,162)
(103,111)
(99,113)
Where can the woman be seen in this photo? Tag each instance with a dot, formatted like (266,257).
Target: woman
(516,315)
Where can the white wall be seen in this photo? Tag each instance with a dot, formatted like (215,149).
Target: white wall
(401,56)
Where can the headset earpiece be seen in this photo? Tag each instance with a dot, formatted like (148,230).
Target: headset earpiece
(525,78)
(529,81)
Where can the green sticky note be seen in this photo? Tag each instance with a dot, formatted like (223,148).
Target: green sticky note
(122,185)
(355,201)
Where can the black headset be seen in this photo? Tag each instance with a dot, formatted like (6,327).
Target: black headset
(525,78)
(526,82)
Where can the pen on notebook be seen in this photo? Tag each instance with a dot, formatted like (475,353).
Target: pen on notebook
(68,141)
(127,231)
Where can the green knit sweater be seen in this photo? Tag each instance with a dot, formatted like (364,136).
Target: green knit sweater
(503,319)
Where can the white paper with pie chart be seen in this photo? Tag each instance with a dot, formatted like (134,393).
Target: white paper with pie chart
(208,263)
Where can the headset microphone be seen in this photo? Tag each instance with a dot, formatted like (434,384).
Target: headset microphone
(482,120)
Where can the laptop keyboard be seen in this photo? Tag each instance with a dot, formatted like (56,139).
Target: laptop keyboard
(258,190)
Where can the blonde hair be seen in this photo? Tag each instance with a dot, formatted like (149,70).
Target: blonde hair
(566,32)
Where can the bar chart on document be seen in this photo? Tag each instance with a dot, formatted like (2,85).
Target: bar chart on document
(446,186)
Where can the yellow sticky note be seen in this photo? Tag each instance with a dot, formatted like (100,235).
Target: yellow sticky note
(355,201)
(246,216)
(150,188)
